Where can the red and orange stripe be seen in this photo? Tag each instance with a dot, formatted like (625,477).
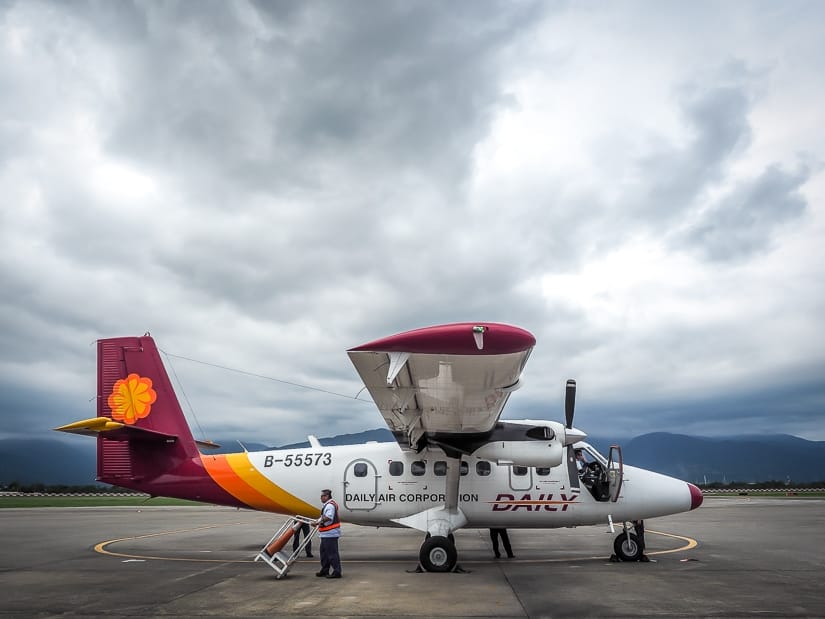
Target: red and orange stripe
(239,477)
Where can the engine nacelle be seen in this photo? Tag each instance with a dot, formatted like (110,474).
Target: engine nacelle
(541,453)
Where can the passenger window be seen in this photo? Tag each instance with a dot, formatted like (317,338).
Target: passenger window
(540,470)
(483,468)
(440,468)
(360,470)
(396,468)
(519,471)
(465,468)
(418,468)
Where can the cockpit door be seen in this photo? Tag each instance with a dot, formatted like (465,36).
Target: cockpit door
(615,472)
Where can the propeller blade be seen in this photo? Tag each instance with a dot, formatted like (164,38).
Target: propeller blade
(569,402)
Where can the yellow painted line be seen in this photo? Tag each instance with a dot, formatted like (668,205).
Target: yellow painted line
(690,543)
(101,548)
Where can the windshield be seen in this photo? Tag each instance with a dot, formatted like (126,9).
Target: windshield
(590,451)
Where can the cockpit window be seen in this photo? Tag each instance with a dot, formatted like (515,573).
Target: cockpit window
(591,454)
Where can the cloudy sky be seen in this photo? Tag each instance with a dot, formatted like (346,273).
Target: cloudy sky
(262,185)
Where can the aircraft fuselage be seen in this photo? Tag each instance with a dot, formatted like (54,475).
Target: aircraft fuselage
(378,483)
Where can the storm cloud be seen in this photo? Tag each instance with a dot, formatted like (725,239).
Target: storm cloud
(264,185)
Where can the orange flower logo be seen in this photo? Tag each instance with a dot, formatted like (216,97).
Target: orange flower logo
(132,398)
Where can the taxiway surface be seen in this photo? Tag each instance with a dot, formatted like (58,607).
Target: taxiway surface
(732,557)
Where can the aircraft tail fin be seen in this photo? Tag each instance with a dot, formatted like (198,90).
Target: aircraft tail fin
(140,427)
(133,388)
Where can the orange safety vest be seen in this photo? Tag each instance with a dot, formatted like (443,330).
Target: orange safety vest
(336,522)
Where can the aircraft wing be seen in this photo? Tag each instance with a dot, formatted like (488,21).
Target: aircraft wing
(446,379)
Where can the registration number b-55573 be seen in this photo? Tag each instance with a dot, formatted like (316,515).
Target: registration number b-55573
(310,459)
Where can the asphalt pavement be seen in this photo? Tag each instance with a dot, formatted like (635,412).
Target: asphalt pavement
(733,557)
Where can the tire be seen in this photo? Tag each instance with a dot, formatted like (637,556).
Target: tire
(627,549)
(437,554)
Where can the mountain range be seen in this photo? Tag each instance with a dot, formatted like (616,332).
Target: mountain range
(745,458)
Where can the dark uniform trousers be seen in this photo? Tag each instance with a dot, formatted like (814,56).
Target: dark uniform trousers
(494,535)
(329,555)
(297,540)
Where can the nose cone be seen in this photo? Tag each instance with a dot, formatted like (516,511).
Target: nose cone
(696,496)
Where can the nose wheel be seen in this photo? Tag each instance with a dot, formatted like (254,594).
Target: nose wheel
(438,554)
(626,546)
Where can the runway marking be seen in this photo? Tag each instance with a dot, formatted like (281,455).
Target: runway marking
(101,548)
(691,543)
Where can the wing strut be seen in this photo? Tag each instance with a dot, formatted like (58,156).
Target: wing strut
(441,520)
(452,483)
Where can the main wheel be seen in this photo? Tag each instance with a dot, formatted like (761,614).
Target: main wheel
(627,548)
(437,554)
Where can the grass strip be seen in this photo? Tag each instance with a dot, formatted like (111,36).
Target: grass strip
(89,501)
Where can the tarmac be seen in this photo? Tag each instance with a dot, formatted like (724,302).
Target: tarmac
(732,557)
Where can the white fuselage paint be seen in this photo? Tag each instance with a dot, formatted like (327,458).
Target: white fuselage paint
(499,499)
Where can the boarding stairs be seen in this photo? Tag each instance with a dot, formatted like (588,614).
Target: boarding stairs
(275,553)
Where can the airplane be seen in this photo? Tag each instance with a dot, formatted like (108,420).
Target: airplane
(454,463)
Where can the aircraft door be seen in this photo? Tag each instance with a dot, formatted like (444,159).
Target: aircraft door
(572,468)
(615,472)
(521,477)
(360,485)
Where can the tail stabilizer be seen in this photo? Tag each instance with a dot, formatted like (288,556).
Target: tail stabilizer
(143,440)
(133,388)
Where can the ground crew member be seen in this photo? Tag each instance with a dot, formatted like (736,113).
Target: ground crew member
(329,531)
(304,528)
(494,535)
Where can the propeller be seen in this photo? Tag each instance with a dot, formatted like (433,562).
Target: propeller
(569,402)
(570,435)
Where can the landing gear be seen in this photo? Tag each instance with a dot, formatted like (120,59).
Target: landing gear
(627,547)
(438,554)
(450,537)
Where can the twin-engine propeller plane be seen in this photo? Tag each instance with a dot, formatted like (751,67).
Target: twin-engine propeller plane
(454,464)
